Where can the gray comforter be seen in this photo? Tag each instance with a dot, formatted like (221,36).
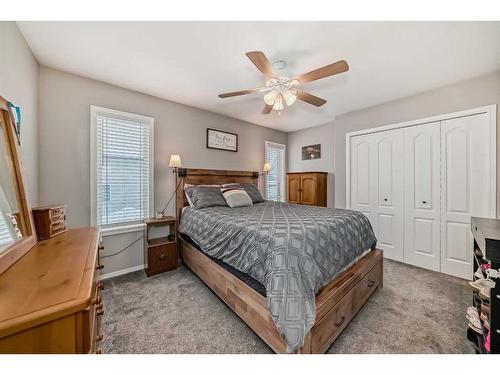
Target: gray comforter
(293,250)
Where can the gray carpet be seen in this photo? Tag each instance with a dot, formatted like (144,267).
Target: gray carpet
(417,311)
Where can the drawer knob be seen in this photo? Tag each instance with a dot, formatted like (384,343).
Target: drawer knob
(371,283)
(96,301)
(99,338)
(162,256)
(340,322)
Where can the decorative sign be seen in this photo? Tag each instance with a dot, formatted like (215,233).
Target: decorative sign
(311,152)
(221,140)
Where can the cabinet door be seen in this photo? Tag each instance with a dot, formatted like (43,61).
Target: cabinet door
(293,182)
(422,196)
(308,189)
(388,185)
(466,183)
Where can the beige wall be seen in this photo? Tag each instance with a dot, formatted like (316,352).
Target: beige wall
(65,101)
(319,134)
(472,93)
(19,84)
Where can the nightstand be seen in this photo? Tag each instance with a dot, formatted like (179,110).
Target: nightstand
(160,252)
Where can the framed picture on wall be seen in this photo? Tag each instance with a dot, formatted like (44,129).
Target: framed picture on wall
(311,152)
(221,140)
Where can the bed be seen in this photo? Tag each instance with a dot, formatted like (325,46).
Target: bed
(309,313)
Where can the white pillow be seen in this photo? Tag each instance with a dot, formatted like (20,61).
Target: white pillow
(236,197)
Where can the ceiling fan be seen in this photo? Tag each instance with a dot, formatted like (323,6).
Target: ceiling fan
(283,91)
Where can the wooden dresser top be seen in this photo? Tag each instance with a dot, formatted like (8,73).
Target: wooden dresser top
(52,280)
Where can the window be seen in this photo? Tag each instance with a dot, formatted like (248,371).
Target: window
(6,235)
(122,166)
(275,180)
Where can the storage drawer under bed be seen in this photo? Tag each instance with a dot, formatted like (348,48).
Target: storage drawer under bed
(333,323)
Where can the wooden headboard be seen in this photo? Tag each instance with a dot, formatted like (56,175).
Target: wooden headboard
(208,177)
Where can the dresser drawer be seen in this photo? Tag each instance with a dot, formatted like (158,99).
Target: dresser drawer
(58,211)
(92,315)
(91,322)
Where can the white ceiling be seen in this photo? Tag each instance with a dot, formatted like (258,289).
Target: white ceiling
(192,62)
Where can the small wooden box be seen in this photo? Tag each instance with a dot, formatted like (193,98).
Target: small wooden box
(49,221)
(161,253)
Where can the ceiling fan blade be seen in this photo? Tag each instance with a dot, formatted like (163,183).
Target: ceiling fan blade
(311,99)
(326,71)
(267,109)
(262,63)
(237,93)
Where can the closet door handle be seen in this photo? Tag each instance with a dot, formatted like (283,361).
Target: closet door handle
(424,202)
(385,199)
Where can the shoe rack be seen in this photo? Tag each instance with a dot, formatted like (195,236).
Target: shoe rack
(486,253)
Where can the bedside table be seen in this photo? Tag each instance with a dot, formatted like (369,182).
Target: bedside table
(160,253)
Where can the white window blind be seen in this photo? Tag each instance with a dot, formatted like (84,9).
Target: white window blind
(123,145)
(275,180)
(6,235)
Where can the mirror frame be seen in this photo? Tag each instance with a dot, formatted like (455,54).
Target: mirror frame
(17,249)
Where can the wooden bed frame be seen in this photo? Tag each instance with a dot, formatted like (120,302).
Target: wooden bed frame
(336,303)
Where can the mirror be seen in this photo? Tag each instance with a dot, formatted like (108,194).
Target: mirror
(11,228)
(17,233)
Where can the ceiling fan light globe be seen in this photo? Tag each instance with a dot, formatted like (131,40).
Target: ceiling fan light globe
(270,97)
(289,97)
(278,103)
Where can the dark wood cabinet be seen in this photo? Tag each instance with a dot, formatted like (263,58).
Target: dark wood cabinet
(307,188)
(160,253)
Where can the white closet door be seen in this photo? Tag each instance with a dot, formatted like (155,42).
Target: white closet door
(422,196)
(363,175)
(377,186)
(466,183)
(388,215)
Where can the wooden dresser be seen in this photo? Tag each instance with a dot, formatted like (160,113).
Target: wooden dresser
(307,188)
(50,299)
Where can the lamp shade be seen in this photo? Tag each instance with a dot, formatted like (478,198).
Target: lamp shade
(175,161)
(267,167)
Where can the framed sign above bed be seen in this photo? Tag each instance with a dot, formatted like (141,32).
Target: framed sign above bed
(221,140)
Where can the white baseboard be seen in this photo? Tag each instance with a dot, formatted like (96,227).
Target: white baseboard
(121,272)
